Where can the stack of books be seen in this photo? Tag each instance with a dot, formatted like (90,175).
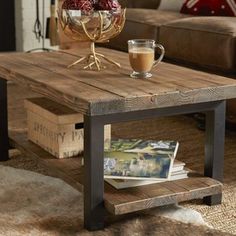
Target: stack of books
(177,172)
(132,162)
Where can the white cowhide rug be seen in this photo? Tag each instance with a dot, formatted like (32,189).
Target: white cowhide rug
(34,204)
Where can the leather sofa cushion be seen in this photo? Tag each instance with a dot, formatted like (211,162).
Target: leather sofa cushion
(142,23)
(205,41)
(152,17)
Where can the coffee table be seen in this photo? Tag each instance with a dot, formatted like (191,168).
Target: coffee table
(112,96)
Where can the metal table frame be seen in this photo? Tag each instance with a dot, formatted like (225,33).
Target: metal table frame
(94,210)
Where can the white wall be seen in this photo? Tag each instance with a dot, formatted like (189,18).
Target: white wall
(25,16)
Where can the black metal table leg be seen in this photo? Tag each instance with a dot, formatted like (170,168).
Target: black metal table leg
(214,149)
(94,210)
(4,142)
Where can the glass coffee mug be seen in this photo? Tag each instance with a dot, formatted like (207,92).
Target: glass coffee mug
(142,56)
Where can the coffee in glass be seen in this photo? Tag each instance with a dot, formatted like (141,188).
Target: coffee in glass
(142,57)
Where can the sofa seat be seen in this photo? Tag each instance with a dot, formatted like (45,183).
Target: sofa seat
(142,23)
(205,41)
(152,16)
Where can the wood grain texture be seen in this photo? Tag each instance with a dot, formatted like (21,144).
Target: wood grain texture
(112,90)
(124,200)
(144,197)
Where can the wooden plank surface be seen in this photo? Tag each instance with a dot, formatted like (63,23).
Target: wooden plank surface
(124,200)
(58,87)
(112,90)
(145,197)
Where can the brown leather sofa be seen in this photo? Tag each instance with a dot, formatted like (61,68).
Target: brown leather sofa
(208,42)
(199,41)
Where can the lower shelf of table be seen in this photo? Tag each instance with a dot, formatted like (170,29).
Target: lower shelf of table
(124,200)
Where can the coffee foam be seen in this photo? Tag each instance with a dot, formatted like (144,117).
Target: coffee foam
(141,50)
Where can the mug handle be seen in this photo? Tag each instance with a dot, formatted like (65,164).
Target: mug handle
(161,56)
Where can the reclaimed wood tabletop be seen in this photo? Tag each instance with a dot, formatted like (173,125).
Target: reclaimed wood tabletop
(112,90)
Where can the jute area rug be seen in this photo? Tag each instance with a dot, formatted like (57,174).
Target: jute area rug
(35,204)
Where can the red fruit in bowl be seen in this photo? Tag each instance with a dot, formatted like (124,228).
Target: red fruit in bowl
(108,5)
(83,5)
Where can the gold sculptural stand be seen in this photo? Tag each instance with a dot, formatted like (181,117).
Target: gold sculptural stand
(81,30)
(94,60)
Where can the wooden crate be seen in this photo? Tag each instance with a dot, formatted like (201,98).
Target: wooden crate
(52,127)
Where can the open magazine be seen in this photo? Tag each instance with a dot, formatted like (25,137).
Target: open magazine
(139,159)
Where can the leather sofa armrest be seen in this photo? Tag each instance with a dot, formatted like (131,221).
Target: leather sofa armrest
(149,4)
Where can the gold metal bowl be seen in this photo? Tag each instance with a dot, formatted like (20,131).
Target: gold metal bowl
(98,26)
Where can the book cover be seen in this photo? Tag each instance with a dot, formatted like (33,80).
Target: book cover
(139,159)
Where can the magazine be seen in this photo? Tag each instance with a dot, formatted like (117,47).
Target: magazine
(127,183)
(139,159)
(145,146)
